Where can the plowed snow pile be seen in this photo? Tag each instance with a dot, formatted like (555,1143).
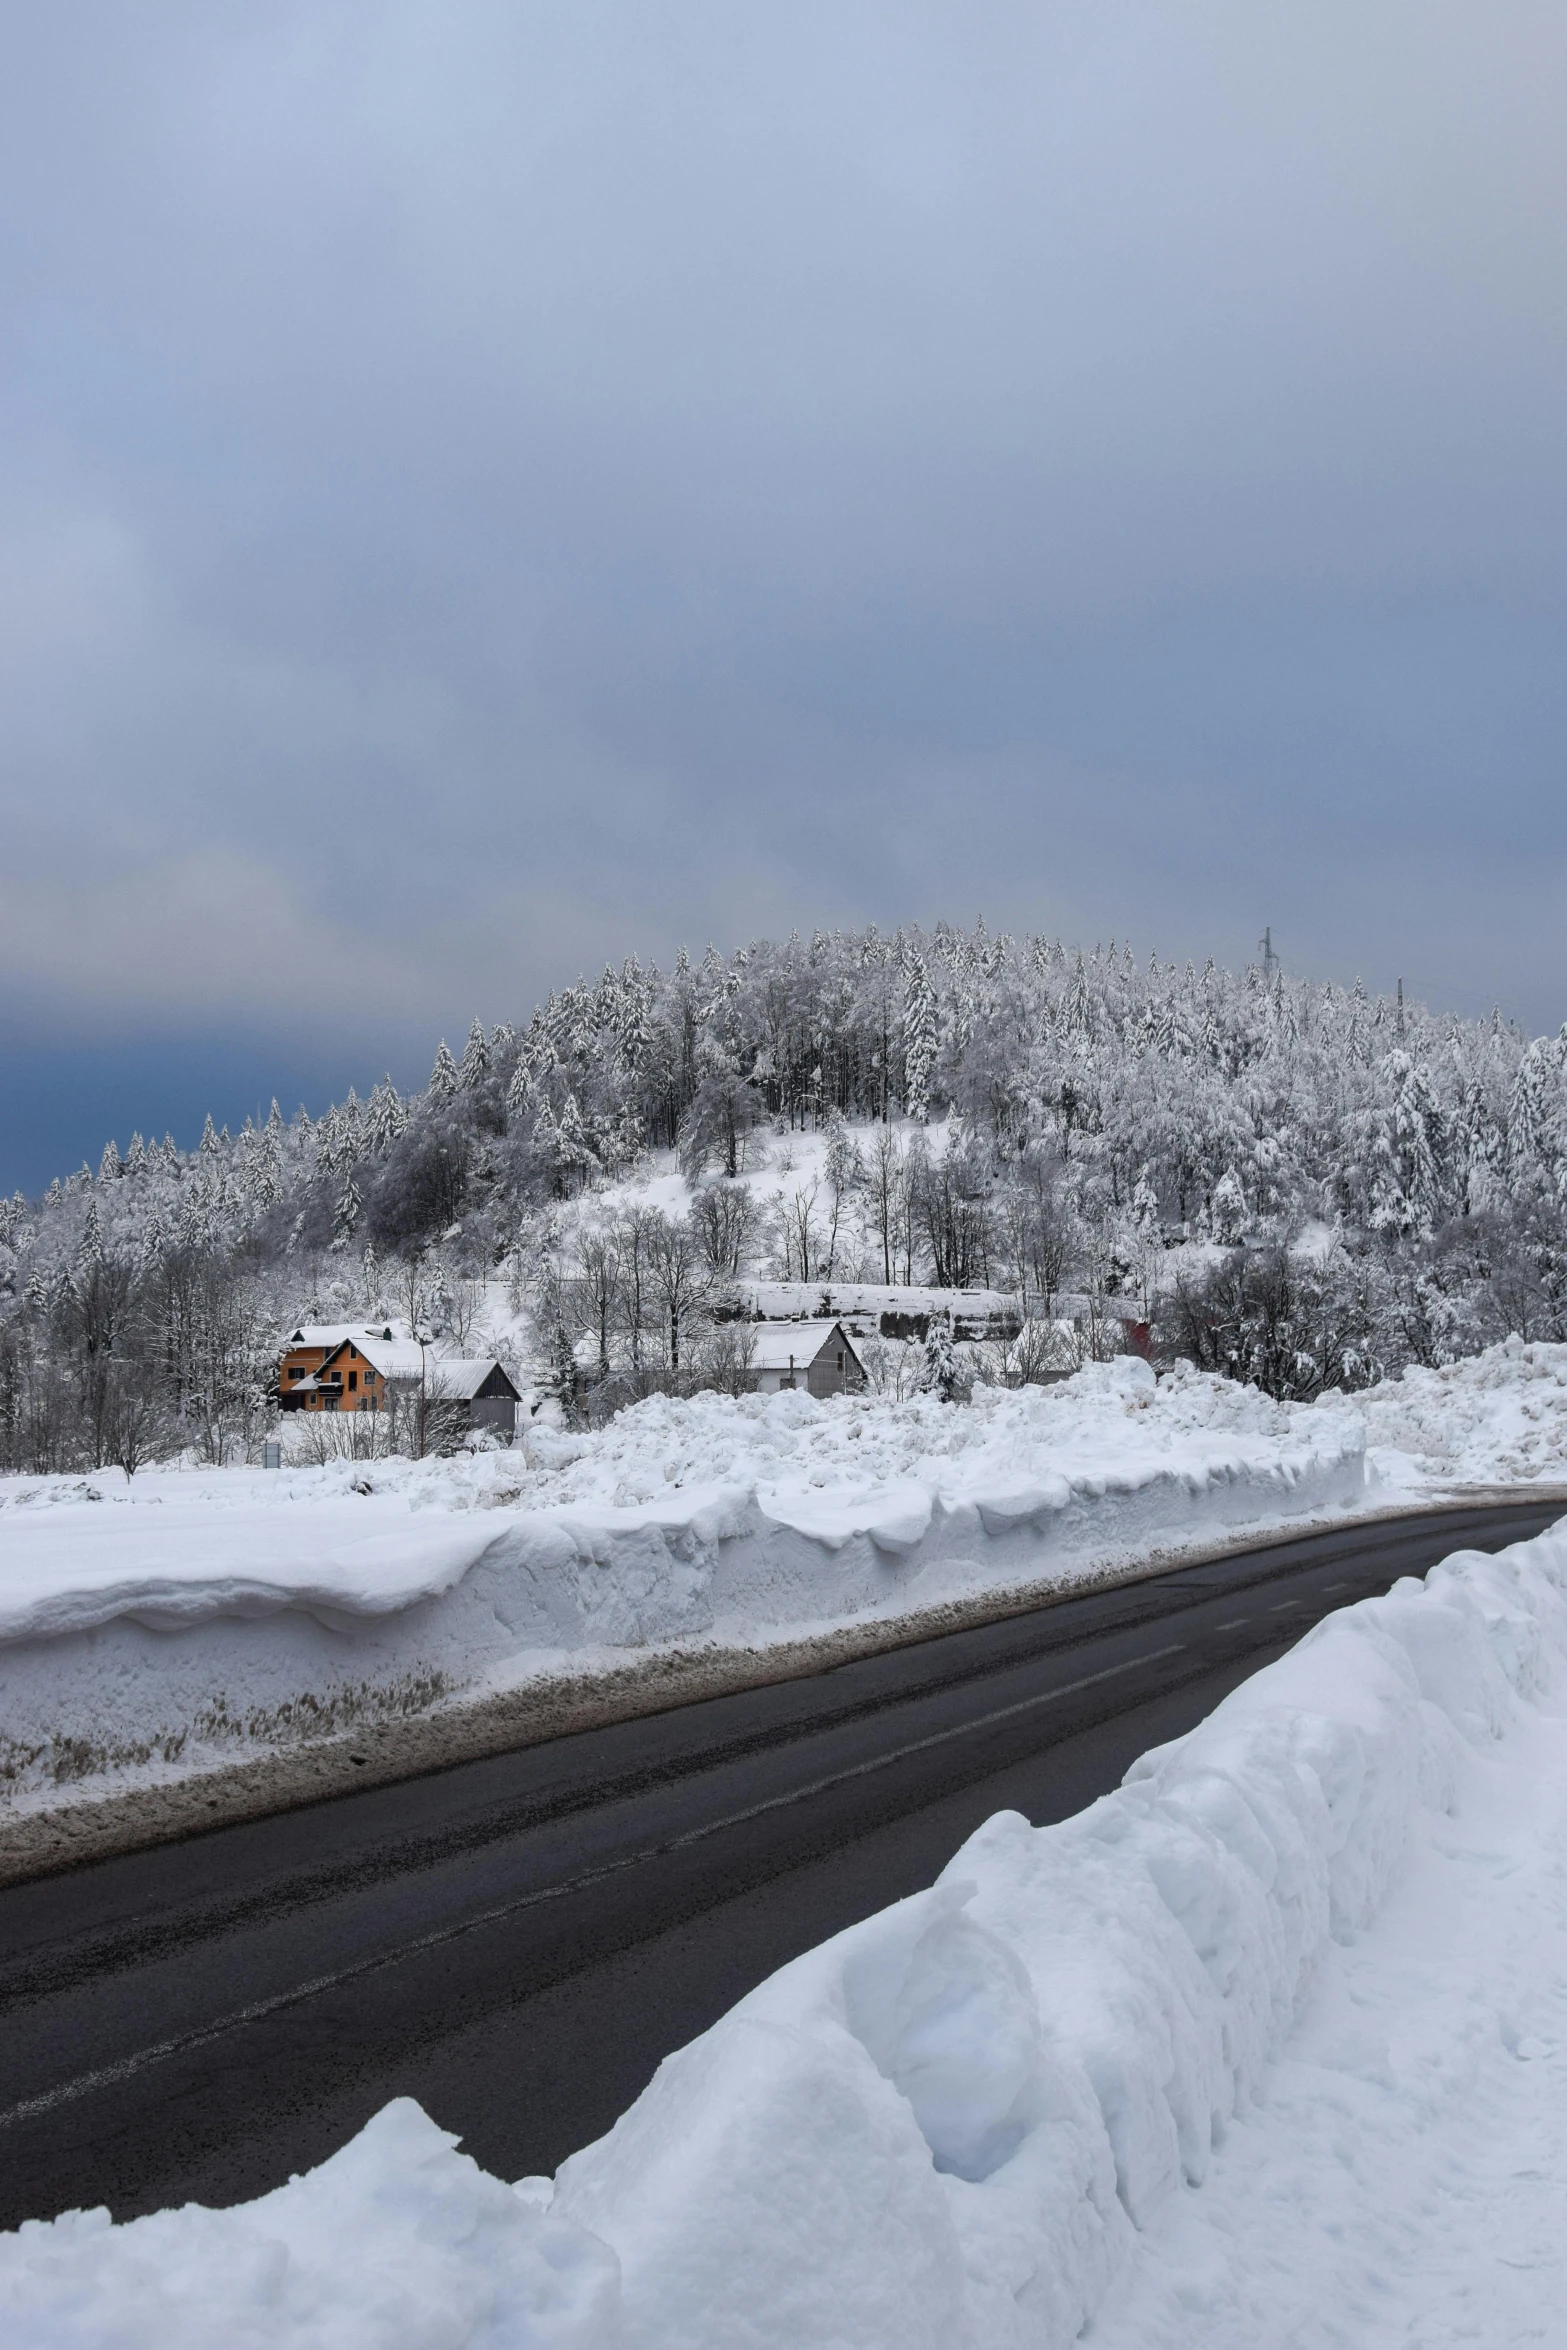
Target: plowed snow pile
(163,1627)
(1495,1419)
(1267,2048)
(156,1628)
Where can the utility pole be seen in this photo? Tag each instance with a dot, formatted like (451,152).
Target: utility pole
(1270,961)
(423,1339)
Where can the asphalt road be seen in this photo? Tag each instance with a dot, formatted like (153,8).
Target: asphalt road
(517,1942)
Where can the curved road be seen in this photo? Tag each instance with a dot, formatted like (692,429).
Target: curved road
(517,1942)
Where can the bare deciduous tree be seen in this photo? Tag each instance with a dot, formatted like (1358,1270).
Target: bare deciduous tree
(724,1216)
(598,1292)
(679,1279)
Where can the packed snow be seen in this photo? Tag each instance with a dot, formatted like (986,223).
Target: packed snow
(1267,2047)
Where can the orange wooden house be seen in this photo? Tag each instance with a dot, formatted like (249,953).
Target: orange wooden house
(364,1371)
(304,1352)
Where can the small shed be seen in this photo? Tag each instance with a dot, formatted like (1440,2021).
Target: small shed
(478,1384)
(818,1356)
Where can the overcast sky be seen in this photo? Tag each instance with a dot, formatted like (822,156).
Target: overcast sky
(484,489)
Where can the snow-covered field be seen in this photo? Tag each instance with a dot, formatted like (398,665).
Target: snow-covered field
(156,1628)
(1267,2048)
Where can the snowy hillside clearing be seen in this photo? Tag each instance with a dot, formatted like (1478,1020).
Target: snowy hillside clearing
(1268,2047)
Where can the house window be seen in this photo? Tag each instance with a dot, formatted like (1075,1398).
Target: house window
(329,1402)
(296,1374)
(353,1379)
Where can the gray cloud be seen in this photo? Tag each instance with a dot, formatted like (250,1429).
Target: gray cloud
(494,487)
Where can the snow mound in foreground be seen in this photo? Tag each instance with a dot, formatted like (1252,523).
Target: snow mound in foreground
(398,2239)
(944,2128)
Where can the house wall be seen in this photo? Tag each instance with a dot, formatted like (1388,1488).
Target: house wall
(494,1411)
(361,1387)
(304,1360)
(835,1371)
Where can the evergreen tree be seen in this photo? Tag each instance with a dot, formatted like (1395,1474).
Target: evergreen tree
(1228,1209)
(445,1079)
(919,1039)
(475,1061)
(520,1096)
(346,1212)
(384,1118)
(939,1370)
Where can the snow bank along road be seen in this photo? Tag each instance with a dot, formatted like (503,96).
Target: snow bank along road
(517,1942)
(230,1636)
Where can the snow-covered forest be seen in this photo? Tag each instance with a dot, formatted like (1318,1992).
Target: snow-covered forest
(1294,1183)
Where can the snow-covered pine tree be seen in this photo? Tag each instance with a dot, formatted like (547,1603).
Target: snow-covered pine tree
(475,1061)
(520,1096)
(939,1370)
(1228,1209)
(384,1117)
(920,1035)
(346,1211)
(445,1080)
(576,1150)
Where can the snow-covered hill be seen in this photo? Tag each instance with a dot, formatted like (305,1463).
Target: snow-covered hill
(946,1111)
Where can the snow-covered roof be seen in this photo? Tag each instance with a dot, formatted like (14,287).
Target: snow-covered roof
(458,1378)
(330,1334)
(777,1345)
(394,1358)
(455,1378)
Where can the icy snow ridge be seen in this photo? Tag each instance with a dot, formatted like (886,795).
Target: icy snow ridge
(948,2127)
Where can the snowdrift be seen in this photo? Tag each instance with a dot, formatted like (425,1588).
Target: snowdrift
(151,1630)
(945,2128)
